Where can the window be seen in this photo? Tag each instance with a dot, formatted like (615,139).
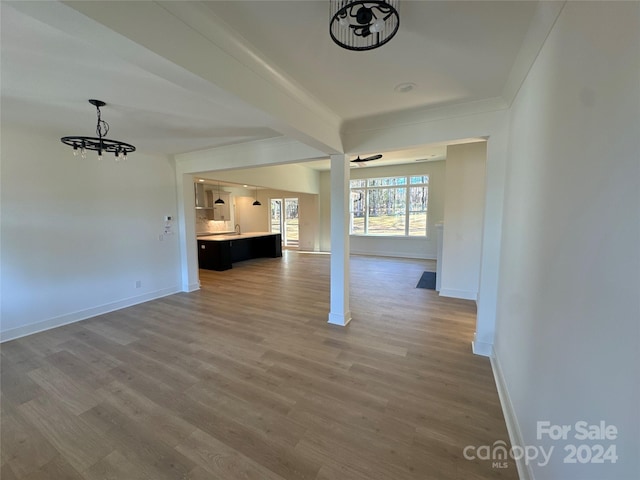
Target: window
(391,206)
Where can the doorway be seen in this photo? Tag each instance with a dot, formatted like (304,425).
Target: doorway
(285,220)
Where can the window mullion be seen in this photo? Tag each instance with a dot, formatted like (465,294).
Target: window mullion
(407,206)
(366,210)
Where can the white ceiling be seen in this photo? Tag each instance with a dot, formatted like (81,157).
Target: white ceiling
(48,76)
(455,52)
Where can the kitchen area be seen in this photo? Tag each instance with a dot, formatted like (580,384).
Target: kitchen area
(221,241)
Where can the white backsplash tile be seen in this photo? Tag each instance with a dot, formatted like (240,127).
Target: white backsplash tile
(204,225)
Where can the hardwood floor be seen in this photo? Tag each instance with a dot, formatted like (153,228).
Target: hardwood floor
(245,379)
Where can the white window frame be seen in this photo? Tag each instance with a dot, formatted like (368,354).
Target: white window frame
(407,186)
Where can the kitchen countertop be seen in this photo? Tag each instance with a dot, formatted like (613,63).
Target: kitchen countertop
(234,236)
(229,232)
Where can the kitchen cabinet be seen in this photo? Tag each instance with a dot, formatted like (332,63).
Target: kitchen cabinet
(214,255)
(205,199)
(241,249)
(218,252)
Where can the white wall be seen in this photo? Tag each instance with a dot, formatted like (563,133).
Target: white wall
(78,234)
(256,218)
(567,341)
(309,228)
(252,218)
(295,178)
(386,246)
(463,218)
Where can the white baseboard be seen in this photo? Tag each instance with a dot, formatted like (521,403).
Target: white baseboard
(513,428)
(463,294)
(482,348)
(23,331)
(191,287)
(385,253)
(339,319)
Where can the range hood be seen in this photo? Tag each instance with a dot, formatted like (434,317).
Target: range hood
(202,202)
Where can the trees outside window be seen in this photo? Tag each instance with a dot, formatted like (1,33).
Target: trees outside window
(389,206)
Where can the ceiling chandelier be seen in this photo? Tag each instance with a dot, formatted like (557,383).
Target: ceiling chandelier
(363,24)
(100,144)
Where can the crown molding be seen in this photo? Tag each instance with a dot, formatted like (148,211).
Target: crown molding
(544,19)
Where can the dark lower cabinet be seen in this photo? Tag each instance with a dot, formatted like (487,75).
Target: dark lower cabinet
(241,249)
(214,255)
(220,254)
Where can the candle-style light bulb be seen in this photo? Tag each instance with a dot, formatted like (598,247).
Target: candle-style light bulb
(377,25)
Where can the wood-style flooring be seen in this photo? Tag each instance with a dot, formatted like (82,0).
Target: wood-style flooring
(245,379)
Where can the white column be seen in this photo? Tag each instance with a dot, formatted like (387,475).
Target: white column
(340,313)
(440,227)
(187,232)
(497,154)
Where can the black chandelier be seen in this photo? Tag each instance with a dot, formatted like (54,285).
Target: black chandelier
(257,202)
(219,201)
(100,144)
(363,24)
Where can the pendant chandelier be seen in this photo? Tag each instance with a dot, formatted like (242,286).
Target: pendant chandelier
(363,24)
(256,203)
(219,201)
(100,143)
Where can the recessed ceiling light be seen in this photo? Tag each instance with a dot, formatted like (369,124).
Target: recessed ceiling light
(245,186)
(404,87)
(201,180)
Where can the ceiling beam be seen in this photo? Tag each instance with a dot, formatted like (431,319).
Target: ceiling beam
(260,153)
(184,43)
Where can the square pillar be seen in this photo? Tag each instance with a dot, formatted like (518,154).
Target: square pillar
(340,313)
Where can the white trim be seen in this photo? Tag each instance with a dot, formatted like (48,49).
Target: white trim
(386,253)
(338,319)
(463,294)
(354,131)
(257,153)
(30,329)
(482,348)
(192,287)
(513,428)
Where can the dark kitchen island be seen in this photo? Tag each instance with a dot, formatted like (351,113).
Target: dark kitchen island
(218,252)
